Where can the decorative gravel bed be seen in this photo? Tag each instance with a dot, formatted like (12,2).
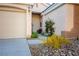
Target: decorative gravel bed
(42,50)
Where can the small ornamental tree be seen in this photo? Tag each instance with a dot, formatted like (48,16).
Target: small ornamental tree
(49,27)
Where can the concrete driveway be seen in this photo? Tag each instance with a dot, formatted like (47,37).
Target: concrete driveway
(14,47)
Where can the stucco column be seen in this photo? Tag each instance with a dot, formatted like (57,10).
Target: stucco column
(28,22)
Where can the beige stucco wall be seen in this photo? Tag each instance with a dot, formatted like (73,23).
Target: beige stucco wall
(72,27)
(76,19)
(59,16)
(17,5)
(69,21)
(36,18)
(70,17)
(28,24)
(66,20)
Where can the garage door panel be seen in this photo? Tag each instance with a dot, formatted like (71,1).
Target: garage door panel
(12,24)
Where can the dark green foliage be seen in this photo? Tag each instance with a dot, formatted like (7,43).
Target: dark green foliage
(39,31)
(77,38)
(49,27)
(34,35)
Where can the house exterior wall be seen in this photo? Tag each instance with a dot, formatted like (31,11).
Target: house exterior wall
(66,19)
(74,31)
(76,19)
(69,22)
(36,22)
(19,5)
(58,16)
(28,23)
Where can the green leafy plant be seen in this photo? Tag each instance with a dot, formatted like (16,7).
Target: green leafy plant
(49,27)
(56,41)
(34,35)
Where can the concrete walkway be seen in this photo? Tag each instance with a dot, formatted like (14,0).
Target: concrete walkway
(14,47)
(33,42)
(38,40)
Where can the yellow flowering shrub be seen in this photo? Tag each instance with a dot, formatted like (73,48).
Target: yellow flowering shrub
(56,41)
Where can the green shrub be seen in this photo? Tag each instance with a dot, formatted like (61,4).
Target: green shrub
(34,35)
(49,27)
(56,41)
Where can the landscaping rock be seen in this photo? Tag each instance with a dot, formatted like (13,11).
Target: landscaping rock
(69,50)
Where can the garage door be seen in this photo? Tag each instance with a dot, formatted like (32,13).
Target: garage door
(12,24)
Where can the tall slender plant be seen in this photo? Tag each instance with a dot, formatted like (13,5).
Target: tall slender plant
(49,27)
